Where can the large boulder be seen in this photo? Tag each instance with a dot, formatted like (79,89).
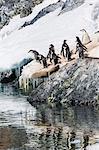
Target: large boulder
(76,83)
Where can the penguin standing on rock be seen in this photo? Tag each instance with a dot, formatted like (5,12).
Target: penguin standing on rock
(65,52)
(36,54)
(55,58)
(64,45)
(51,52)
(85,37)
(80,48)
(43,60)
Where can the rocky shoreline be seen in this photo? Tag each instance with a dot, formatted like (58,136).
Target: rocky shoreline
(76,83)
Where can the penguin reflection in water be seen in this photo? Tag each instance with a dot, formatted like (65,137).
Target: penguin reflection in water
(80,48)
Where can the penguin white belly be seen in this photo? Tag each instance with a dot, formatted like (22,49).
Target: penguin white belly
(86,39)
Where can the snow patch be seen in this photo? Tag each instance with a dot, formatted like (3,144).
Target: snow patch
(49,29)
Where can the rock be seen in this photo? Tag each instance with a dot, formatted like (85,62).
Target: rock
(71,4)
(9,78)
(44,11)
(15,7)
(25,12)
(95,12)
(76,83)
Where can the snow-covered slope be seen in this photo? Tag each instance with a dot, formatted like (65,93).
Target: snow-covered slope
(49,29)
(93,147)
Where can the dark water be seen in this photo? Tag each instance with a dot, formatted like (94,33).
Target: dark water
(23,127)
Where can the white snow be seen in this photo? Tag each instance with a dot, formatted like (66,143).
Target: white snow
(17,22)
(29,69)
(93,147)
(94,52)
(49,29)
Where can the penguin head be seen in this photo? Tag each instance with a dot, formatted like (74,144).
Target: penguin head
(65,41)
(83,30)
(77,38)
(51,45)
(33,51)
(30,51)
